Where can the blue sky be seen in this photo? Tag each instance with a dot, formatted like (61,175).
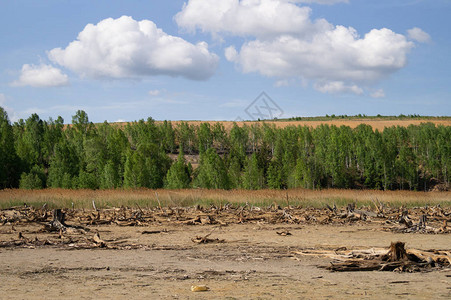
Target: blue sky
(209,59)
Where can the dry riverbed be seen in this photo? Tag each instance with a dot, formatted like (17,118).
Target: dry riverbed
(251,259)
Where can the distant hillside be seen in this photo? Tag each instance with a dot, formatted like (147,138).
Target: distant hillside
(377,122)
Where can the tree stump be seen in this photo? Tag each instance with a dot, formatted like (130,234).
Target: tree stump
(58,222)
(423,220)
(397,252)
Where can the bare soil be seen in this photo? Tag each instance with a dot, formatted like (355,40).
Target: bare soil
(247,258)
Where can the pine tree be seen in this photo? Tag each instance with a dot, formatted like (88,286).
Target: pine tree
(252,178)
(186,137)
(238,142)
(167,134)
(275,176)
(28,144)
(212,173)
(64,165)
(234,173)
(145,167)
(178,176)
(220,137)
(53,133)
(204,137)
(110,178)
(9,162)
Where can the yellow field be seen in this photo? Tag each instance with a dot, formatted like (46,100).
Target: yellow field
(152,198)
(378,124)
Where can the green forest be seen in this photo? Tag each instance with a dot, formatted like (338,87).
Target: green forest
(36,154)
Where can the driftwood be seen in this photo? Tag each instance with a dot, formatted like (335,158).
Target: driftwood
(397,258)
(98,241)
(428,220)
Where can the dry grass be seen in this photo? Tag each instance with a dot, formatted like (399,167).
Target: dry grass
(148,198)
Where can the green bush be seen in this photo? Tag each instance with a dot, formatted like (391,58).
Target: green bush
(33,180)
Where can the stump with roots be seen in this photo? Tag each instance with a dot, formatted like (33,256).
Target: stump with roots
(58,222)
(397,252)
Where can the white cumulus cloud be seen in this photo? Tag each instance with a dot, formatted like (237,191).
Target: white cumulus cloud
(230,53)
(41,76)
(336,87)
(261,18)
(417,34)
(337,55)
(290,44)
(125,48)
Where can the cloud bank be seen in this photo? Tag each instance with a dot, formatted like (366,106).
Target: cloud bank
(288,43)
(125,48)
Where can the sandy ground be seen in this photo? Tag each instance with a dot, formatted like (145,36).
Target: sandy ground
(253,262)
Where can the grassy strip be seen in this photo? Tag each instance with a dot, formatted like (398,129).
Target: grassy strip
(182,198)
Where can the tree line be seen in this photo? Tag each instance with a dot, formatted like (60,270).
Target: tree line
(38,154)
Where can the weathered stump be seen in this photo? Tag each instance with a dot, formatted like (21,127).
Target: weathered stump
(397,252)
(58,222)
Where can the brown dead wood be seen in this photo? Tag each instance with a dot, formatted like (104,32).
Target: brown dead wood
(206,240)
(58,223)
(427,220)
(397,258)
(98,241)
(154,231)
(283,233)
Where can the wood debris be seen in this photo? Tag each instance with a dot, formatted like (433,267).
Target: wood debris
(206,240)
(283,233)
(58,223)
(69,227)
(396,258)
(98,241)
(154,231)
(429,220)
